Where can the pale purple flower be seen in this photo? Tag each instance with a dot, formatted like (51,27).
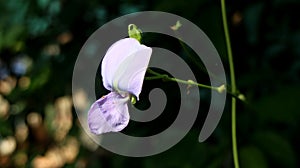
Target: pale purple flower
(123,69)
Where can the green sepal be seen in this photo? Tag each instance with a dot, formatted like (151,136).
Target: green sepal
(134,32)
(133,99)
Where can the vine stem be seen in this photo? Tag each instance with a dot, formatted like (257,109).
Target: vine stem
(233,86)
(219,89)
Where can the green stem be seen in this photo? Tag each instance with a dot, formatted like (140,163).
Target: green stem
(219,89)
(233,87)
(188,82)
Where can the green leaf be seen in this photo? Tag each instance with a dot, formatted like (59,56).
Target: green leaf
(280,107)
(251,156)
(276,148)
(43,3)
(252,18)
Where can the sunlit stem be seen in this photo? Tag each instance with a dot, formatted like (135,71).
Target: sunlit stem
(165,77)
(233,87)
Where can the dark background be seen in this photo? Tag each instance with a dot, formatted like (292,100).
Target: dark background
(40,41)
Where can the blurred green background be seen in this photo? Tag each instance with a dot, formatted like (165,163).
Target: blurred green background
(39,43)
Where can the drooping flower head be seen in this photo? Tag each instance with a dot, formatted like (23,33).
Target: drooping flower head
(123,69)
